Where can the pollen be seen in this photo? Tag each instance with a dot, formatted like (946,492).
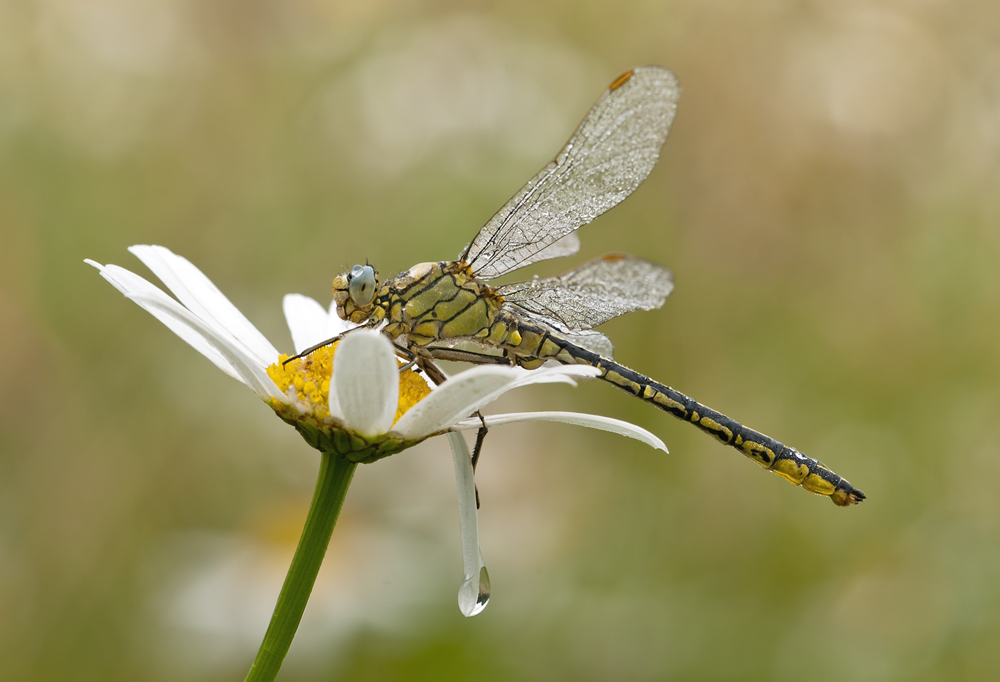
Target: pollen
(412,389)
(306,382)
(299,380)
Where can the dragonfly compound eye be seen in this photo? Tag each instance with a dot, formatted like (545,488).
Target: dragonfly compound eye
(362,284)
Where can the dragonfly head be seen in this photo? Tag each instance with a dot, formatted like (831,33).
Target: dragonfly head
(354,292)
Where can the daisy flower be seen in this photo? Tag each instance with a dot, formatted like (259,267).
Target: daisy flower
(350,400)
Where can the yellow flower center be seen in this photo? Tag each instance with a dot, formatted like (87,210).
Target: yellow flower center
(310,377)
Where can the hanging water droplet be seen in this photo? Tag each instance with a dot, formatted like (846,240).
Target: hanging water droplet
(474,593)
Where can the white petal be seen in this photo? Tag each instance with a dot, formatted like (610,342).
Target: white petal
(132,285)
(366,379)
(219,348)
(203,298)
(592,421)
(472,597)
(333,402)
(470,390)
(555,374)
(560,374)
(246,367)
(456,398)
(307,321)
(335,325)
(229,357)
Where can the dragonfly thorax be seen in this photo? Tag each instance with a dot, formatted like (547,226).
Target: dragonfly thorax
(438,301)
(429,302)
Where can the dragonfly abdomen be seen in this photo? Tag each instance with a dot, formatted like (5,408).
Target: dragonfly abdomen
(539,344)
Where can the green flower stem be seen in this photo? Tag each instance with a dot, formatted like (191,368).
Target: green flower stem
(335,475)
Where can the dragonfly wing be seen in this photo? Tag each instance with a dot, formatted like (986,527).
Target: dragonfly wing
(588,338)
(593,293)
(566,246)
(593,341)
(609,155)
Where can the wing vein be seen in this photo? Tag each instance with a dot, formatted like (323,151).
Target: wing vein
(608,156)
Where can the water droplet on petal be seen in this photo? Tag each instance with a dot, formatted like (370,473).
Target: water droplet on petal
(474,593)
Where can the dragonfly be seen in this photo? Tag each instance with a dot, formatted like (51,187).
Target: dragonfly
(447,311)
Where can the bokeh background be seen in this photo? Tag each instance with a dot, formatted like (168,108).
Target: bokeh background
(828,199)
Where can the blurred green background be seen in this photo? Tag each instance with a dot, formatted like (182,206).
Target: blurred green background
(828,200)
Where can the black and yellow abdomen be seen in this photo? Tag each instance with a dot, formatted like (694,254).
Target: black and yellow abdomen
(531,345)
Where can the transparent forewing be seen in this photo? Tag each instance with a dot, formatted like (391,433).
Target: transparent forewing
(609,155)
(593,293)
(566,246)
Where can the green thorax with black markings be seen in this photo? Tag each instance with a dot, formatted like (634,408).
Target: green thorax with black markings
(428,302)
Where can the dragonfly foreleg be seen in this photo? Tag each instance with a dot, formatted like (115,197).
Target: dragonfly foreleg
(321,344)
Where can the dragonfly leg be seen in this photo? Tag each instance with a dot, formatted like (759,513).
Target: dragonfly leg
(459,355)
(430,369)
(329,341)
(438,377)
(319,345)
(310,349)
(408,355)
(480,437)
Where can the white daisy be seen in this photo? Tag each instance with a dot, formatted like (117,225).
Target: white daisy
(350,399)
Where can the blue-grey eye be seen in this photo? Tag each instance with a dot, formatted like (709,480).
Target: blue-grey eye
(362,284)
